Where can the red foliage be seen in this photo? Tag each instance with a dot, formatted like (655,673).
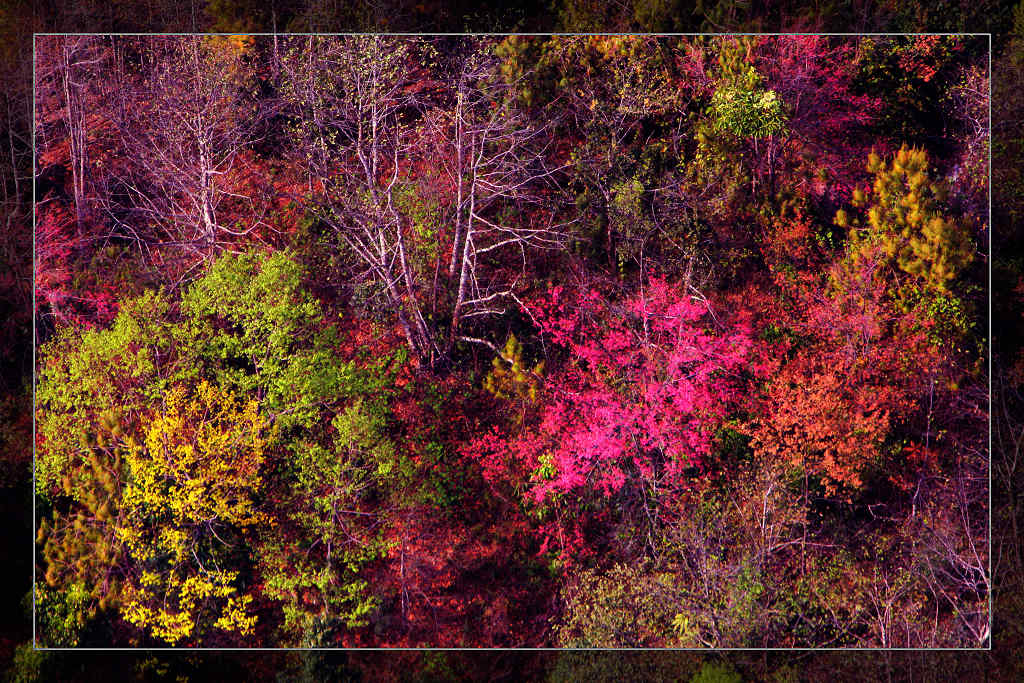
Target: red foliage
(926,56)
(789,240)
(55,236)
(847,371)
(71,290)
(637,402)
(813,75)
(454,584)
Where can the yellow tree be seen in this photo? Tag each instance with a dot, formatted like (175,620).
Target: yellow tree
(191,491)
(906,220)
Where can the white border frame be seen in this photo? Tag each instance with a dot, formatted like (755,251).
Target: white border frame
(991,578)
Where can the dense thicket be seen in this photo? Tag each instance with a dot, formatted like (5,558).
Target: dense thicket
(586,341)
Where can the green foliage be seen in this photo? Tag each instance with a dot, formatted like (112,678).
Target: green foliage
(713,672)
(251,327)
(438,480)
(510,378)
(736,606)
(616,87)
(237,462)
(628,215)
(820,600)
(62,614)
(86,374)
(718,163)
(315,602)
(950,320)
(29,665)
(245,326)
(614,666)
(907,220)
(149,480)
(659,16)
(79,546)
(740,105)
(629,607)
(748,113)
(733,444)
(740,114)
(426,218)
(620,608)
(603,74)
(317,579)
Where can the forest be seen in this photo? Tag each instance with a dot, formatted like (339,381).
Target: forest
(512,341)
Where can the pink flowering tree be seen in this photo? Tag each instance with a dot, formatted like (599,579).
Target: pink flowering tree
(644,386)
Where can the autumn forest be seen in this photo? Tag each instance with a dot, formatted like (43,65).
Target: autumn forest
(512,341)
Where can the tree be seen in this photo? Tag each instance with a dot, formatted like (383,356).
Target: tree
(350,97)
(614,102)
(739,105)
(826,117)
(188,126)
(70,66)
(496,159)
(313,560)
(191,489)
(622,608)
(910,76)
(156,438)
(906,218)
(554,340)
(509,378)
(844,368)
(636,406)
(365,125)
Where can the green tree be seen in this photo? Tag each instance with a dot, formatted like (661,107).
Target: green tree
(330,531)
(159,438)
(740,104)
(907,218)
(510,377)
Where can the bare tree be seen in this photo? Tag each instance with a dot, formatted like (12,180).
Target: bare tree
(349,97)
(67,84)
(953,532)
(188,124)
(364,116)
(494,159)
